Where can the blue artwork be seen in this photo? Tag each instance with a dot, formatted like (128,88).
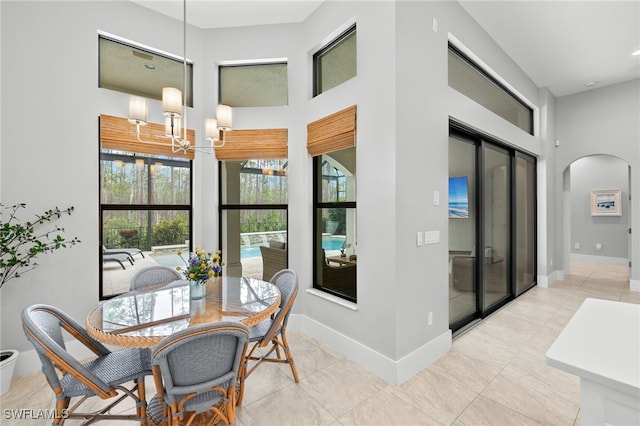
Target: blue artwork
(458,197)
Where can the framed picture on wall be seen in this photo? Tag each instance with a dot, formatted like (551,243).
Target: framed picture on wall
(606,203)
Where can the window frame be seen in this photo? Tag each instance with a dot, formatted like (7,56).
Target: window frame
(187,93)
(222,206)
(318,206)
(499,85)
(352,30)
(103,207)
(252,64)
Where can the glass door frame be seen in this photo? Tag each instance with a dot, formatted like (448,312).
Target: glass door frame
(482,142)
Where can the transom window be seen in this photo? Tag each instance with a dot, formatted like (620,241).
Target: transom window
(335,63)
(130,68)
(254,85)
(472,81)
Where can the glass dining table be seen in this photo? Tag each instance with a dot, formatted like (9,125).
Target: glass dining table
(144,317)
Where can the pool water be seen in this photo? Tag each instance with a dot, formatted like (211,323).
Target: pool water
(328,243)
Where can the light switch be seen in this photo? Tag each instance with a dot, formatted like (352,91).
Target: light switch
(431,237)
(436,198)
(419,239)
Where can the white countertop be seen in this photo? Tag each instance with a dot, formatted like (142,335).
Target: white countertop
(601,343)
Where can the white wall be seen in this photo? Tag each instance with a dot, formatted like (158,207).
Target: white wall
(598,172)
(404,105)
(50,108)
(601,121)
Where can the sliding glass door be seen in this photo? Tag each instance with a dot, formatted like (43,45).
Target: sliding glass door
(492,216)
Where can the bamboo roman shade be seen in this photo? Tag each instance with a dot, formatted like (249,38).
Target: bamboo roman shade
(332,133)
(265,144)
(117,133)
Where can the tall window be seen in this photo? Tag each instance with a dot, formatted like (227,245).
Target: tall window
(254,216)
(472,81)
(335,63)
(335,234)
(145,215)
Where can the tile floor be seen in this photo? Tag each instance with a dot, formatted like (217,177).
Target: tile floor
(495,373)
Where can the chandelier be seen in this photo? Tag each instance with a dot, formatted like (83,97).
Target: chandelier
(174,110)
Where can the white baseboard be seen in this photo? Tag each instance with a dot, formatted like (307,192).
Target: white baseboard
(607,260)
(393,371)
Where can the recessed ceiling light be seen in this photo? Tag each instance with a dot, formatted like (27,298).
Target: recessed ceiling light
(150,66)
(636,53)
(590,84)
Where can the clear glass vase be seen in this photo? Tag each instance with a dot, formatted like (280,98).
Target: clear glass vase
(197,289)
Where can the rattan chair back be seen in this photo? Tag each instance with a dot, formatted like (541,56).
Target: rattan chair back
(196,371)
(103,376)
(154,276)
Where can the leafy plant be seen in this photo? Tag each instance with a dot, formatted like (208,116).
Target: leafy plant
(169,231)
(22,241)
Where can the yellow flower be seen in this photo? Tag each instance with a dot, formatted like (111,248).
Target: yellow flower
(210,272)
(178,268)
(192,275)
(218,252)
(179,253)
(197,248)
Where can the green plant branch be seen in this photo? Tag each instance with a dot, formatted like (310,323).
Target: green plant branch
(21,242)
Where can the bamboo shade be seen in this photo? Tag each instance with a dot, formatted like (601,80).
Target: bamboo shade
(332,133)
(263,144)
(117,133)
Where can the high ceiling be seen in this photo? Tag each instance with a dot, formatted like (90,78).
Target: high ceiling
(567,46)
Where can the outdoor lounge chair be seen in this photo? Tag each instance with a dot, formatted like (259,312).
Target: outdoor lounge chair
(120,258)
(113,376)
(128,251)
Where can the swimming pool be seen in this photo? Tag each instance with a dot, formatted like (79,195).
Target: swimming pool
(328,243)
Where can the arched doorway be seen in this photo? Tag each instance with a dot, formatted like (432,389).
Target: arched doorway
(595,234)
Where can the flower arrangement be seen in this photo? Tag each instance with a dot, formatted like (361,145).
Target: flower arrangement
(201,265)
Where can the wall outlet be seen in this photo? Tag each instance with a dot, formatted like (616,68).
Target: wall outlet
(598,246)
(430,318)
(576,246)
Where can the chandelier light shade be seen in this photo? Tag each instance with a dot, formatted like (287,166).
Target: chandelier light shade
(175,112)
(224,116)
(138,110)
(172,102)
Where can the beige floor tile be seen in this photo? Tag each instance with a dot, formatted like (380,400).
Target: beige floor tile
(388,407)
(342,386)
(471,371)
(288,406)
(443,398)
(484,411)
(532,399)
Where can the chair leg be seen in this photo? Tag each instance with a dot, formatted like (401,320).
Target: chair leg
(61,406)
(287,354)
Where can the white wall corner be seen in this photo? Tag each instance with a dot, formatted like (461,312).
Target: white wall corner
(392,371)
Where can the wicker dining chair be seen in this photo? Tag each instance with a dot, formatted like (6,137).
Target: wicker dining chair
(196,373)
(104,376)
(272,331)
(154,275)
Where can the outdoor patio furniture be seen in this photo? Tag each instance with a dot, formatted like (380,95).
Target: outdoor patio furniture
(274,259)
(128,251)
(120,258)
